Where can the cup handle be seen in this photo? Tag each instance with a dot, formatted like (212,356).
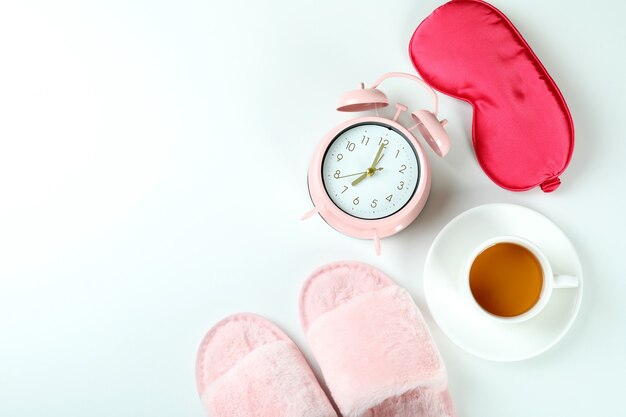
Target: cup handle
(565,281)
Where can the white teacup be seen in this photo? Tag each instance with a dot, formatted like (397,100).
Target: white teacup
(550,280)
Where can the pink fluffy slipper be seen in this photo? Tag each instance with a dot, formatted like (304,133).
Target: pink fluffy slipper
(372,344)
(247,367)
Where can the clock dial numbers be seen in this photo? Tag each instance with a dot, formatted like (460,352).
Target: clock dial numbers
(370,182)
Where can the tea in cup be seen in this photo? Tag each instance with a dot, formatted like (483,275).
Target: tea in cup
(510,279)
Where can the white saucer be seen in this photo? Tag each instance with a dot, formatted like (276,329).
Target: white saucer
(465,325)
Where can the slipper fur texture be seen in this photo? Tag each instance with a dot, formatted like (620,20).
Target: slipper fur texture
(372,344)
(247,367)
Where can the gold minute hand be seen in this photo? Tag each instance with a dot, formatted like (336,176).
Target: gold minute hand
(377,157)
(372,169)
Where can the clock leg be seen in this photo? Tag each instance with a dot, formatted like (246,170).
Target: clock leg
(376,242)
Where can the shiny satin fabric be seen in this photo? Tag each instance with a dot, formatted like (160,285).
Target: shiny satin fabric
(523,132)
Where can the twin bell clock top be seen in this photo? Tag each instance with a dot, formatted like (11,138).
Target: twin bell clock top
(370,177)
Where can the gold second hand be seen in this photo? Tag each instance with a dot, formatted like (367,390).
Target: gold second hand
(358,173)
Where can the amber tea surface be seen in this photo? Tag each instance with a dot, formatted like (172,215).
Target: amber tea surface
(506,279)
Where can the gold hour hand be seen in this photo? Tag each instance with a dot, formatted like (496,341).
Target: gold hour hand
(368,173)
(361,178)
(372,169)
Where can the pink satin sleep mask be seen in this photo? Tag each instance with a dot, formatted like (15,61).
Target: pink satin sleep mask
(523,132)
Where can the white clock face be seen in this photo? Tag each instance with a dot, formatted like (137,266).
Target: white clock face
(370,171)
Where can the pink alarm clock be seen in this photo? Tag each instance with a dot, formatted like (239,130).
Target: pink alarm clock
(369,177)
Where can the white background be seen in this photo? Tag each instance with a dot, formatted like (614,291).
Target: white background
(153,159)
